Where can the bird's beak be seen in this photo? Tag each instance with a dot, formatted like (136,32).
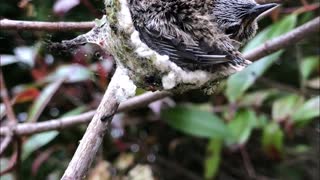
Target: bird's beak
(262,9)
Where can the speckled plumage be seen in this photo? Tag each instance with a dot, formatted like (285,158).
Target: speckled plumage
(197,34)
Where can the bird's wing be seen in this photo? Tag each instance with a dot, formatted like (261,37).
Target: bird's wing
(180,52)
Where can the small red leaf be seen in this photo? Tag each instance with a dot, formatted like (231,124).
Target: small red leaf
(27,95)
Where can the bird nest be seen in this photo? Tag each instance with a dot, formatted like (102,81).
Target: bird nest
(115,33)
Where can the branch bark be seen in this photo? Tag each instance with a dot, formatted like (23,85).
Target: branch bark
(62,123)
(97,128)
(6,100)
(10,114)
(285,40)
(7,24)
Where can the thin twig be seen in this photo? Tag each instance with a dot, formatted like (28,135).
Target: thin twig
(285,40)
(7,24)
(247,163)
(54,124)
(5,143)
(6,100)
(9,136)
(62,123)
(300,10)
(274,84)
(10,114)
(14,163)
(142,100)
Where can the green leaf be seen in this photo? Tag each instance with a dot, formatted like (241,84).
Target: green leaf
(140,91)
(275,30)
(37,141)
(284,107)
(272,139)
(42,100)
(195,122)
(241,127)
(260,38)
(262,121)
(308,66)
(308,111)
(238,83)
(4,164)
(213,158)
(305,17)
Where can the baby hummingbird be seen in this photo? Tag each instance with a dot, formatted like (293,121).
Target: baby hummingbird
(197,34)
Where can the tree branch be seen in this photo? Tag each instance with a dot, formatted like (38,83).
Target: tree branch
(62,123)
(285,40)
(7,24)
(119,88)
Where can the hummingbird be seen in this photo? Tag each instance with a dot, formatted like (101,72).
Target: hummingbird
(197,34)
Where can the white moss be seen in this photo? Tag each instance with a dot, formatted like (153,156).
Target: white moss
(169,81)
(125,86)
(124,17)
(141,48)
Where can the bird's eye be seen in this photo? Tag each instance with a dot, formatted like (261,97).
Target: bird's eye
(233,29)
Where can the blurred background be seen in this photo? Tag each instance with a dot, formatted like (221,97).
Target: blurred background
(264,124)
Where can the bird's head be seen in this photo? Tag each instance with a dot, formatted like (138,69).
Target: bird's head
(238,18)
